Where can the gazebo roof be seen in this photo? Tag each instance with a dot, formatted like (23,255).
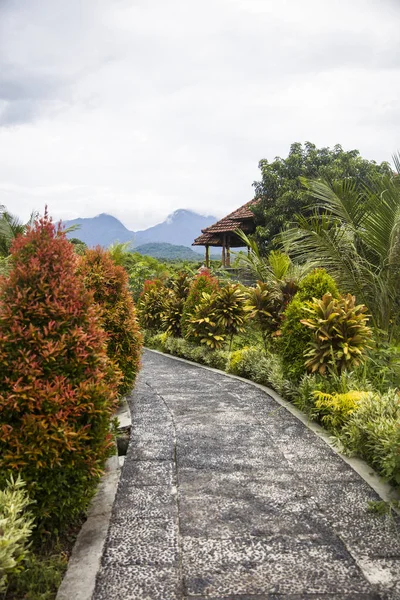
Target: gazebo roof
(241,218)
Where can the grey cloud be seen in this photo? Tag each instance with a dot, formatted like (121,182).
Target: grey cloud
(144,107)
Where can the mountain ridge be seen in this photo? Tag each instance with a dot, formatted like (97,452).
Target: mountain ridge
(180,228)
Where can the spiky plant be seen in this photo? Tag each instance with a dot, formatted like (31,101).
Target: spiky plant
(263,306)
(355,235)
(341,335)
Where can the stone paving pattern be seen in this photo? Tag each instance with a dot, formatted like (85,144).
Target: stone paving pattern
(224,494)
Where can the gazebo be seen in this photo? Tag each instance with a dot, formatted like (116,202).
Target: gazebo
(222,233)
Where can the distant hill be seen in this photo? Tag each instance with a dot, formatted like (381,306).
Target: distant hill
(168,251)
(180,228)
(102,230)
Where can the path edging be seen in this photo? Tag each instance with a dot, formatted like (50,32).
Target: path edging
(386,491)
(84,563)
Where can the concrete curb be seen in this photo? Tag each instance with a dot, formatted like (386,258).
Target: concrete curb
(387,492)
(84,563)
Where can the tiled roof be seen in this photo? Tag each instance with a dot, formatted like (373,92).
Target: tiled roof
(241,218)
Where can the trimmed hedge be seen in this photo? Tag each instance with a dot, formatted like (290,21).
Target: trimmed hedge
(58,390)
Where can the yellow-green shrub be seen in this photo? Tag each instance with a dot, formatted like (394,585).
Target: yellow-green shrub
(373,432)
(295,337)
(16,524)
(335,409)
(341,335)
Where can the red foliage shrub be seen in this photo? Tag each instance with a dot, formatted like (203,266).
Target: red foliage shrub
(109,284)
(57,388)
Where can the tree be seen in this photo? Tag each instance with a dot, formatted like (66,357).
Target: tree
(79,246)
(282,195)
(10,228)
(354,234)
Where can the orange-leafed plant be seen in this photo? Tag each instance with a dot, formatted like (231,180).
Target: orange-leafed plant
(109,284)
(58,389)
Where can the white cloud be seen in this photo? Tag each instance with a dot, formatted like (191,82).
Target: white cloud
(138,109)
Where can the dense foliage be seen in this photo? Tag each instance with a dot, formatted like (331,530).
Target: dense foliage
(282,194)
(109,284)
(202,282)
(354,234)
(16,523)
(57,388)
(341,335)
(295,338)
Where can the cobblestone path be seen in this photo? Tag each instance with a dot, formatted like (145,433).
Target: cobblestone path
(226,495)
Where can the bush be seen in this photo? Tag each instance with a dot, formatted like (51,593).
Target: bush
(316,284)
(304,394)
(295,336)
(203,326)
(212,358)
(335,409)
(15,529)
(57,389)
(341,335)
(256,366)
(109,285)
(200,284)
(373,432)
(151,305)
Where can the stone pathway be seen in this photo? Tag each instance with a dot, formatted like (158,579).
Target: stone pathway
(226,495)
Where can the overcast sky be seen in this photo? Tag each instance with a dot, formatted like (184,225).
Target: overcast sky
(140,107)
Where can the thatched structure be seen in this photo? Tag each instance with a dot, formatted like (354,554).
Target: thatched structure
(222,233)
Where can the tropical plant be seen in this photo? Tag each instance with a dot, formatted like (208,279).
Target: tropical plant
(335,409)
(203,326)
(229,310)
(373,432)
(355,235)
(57,388)
(79,246)
(341,335)
(109,284)
(263,305)
(295,337)
(16,524)
(276,269)
(10,228)
(120,253)
(172,314)
(151,304)
(281,194)
(202,282)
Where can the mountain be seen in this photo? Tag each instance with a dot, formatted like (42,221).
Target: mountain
(168,251)
(180,228)
(102,230)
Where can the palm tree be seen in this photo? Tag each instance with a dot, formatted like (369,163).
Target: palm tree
(355,235)
(10,227)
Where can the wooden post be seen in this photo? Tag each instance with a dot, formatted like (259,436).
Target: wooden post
(228,253)
(223,252)
(207,256)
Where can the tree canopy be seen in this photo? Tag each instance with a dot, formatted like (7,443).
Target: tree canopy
(282,194)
